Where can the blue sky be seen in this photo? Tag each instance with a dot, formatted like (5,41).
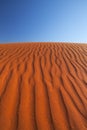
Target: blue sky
(43,20)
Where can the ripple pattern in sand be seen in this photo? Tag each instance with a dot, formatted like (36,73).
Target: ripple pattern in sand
(43,86)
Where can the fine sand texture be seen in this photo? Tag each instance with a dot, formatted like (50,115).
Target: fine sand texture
(43,86)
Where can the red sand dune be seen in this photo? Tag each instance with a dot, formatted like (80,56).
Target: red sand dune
(43,86)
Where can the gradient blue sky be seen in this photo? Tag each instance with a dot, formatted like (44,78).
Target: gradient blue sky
(43,20)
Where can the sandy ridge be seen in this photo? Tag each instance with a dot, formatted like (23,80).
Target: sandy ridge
(43,86)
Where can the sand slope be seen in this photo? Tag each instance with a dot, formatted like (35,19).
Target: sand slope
(43,86)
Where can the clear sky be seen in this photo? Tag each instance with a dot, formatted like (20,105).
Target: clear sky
(43,20)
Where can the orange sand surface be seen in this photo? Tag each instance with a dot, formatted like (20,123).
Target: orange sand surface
(43,86)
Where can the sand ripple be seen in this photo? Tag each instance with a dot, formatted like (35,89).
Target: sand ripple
(43,86)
